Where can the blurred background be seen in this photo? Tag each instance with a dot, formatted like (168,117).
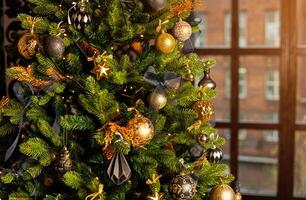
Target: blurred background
(260,48)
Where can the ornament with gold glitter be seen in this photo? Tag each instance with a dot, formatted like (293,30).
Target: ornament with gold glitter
(139,131)
(205,111)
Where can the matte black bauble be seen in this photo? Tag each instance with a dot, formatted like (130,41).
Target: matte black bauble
(196,151)
(54,46)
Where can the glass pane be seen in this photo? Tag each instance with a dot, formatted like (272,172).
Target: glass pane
(258,163)
(301,92)
(259,89)
(300,165)
(215,26)
(259,23)
(221,74)
(301,20)
(226,134)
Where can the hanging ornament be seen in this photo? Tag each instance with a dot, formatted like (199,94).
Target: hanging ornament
(65,162)
(54,46)
(214,155)
(109,152)
(196,151)
(101,68)
(157,5)
(156,196)
(202,139)
(141,129)
(207,82)
(222,192)
(28,45)
(205,110)
(238,196)
(182,31)
(158,99)
(119,170)
(89,50)
(183,187)
(165,43)
(80,19)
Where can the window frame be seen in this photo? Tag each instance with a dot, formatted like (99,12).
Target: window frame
(288,50)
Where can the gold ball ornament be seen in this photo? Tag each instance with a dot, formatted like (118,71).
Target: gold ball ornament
(165,43)
(205,110)
(222,192)
(238,196)
(182,31)
(141,129)
(158,100)
(28,45)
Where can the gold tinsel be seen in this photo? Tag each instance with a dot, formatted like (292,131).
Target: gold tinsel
(181,7)
(26,75)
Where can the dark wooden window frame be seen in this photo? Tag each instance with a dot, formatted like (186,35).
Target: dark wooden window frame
(288,53)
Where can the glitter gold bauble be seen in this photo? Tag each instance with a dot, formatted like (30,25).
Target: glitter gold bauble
(222,192)
(182,31)
(238,196)
(165,43)
(28,45)
(141,129)
(205,110)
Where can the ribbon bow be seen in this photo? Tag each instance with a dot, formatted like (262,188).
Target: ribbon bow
(169,80)
(94,195)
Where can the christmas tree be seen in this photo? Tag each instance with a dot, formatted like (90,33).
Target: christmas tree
(104,105)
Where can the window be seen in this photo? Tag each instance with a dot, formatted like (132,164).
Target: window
(272,28)
(272,85)
(201,38)
(243,89)
(242,29)
(227,28)
(263,93)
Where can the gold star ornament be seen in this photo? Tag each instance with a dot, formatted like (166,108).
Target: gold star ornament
(156,196)
(102,69)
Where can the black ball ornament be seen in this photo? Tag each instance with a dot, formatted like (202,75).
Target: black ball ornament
(157,5)
(183,187)
(214,155)
(196,151)
(81,18)
(54,46)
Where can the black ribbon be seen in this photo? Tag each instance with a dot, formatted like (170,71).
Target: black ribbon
(13,146)
(169,81)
